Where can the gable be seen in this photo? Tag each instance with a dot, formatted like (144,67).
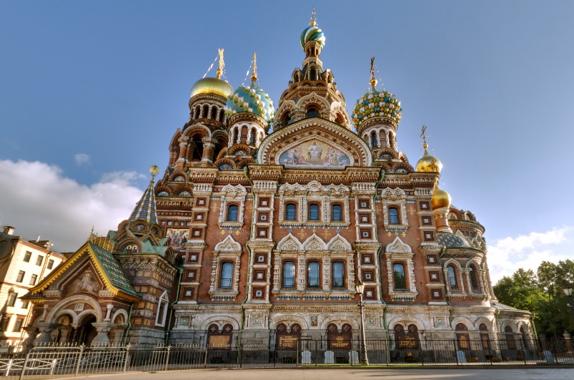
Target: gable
(314,143)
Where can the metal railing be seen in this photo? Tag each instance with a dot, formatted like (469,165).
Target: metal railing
(57,360)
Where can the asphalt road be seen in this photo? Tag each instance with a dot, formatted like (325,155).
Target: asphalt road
(332,374)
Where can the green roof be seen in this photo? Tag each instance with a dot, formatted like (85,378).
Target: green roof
(113,270)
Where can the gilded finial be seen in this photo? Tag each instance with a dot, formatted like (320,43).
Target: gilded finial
(313,20)
(153,170)
(254,68)
(424,138)
(373,80)
(221,65)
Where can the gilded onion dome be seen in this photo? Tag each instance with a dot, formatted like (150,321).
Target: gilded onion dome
(252,99)
(440,198)
(313,33)
(428,163)
(376,103)
(213,86)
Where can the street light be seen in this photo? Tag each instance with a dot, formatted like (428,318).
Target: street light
(360,288)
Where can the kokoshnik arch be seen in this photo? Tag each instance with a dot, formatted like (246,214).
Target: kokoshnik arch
(266,219)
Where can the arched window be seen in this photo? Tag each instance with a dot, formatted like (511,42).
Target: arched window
(252,137)
(313,274)
(394,215)
(484,338)
(196,147)
(286,118)
(221,115)
(214,113)
(451,277)
(408,340)
(205,111)
(288,274)
(226,275)
(462,337)
(524,336)
(314,213)
(312,111)
(197,112)
(161,313)
(391,140)
(509,337)
(232,213)
(473,277)
(336,213)
(374,142)
(399,276)
(291,212)
(338,274)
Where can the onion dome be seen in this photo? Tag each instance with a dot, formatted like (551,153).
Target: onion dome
(428,163)
(213,86)
(377,104)
(440,198)
(252,99)
(313,33)
(450,240)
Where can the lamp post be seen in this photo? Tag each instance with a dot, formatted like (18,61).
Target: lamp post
(360,288)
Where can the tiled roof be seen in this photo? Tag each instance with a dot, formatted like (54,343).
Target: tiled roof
(146,209)
(451,240)
(112,269)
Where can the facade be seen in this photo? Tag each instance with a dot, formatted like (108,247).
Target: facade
(265,221)
(23,264)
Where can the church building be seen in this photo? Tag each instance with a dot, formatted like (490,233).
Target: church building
(282,222)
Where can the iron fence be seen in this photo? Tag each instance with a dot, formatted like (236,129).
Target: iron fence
(269,351)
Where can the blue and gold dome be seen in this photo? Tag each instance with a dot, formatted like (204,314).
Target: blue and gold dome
(312,33)
(252,99)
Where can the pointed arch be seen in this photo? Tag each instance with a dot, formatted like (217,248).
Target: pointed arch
(314,243)
(339,243)
(289,243)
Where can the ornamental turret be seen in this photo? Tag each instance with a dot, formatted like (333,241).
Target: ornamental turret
(204,136)
(312,90)
(376,117)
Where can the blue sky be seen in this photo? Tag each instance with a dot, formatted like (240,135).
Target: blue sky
(95,90)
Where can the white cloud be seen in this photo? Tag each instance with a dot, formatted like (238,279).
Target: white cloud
(506,255)
(81,159)
(122,178)
(38,199)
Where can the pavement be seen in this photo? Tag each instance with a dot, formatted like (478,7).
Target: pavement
(345,373)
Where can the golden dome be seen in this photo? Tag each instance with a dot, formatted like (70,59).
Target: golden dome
(440,198)
(428,163)
(211,86)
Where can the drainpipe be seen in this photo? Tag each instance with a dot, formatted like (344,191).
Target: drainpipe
(126,331)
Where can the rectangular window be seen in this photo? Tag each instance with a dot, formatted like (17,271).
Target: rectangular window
(313,274)
(232,213)
(291,212)
(18,324)
(11,299)
(50,264)
(226,276)
(39,260)
(399,276)
(336,213)
(33,279)
(338,273)
(20,276)
(394,215)
(288,274)
(314,212)
(25,304)
(27,256)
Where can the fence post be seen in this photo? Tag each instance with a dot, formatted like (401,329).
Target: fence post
(167,358)
(8,367)
(25,364)
(77,371)
(455,351)
(127,358)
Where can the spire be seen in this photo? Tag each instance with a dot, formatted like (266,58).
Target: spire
(313,20)
(373,80)
(221,64)
(424,138)
(146,208)
(254,68)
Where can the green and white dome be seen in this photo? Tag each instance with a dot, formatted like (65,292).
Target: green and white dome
(251,99)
